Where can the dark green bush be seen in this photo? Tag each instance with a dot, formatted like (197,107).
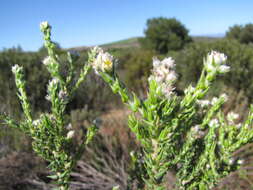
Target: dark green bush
(242,33)
(240,58)
(138,68)
(163,34)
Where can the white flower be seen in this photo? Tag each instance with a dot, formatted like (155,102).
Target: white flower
(224,69)
(215,61)
(156,62)
(189,90)
(214,100)
(231,117)
(224,96)
(53,82)
(47,61)
(203,103)
(167,90)
(103,61)
(16,68)
(171,77)
(69,126)
(240,161)
(44,25)
(239,125)
(97,49)
(217,57)
(231,161)
(164,75)
(196,128)
(197,132)
(70,134)
(36,122)
(214,122)
(63,94)
(159,78)
(168,62)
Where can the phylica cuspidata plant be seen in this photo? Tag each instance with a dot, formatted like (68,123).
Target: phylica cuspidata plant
(52,137)
(189,135)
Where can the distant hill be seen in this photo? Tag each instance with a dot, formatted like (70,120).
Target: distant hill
(78,48)
(130,42)
(134,42)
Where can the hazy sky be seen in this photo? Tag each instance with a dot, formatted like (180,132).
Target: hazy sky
(93,22)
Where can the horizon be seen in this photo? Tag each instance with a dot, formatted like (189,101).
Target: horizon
(96,22)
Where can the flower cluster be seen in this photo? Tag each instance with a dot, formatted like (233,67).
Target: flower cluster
(215,61)
(16,69)
(103,61)
(164,75)
(48,61)
(203,103)
(44,25)
(232,117)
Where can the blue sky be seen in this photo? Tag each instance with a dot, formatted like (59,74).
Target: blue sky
(94,22)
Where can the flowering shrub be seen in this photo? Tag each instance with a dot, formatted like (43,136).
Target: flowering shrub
(188,134)
(52,137)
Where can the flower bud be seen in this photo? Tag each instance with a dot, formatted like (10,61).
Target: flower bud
(47,61)
(164,75)
(215,62)
(224,69)
(214,122)
(70,134)
(203,103)
(231,117)
(44,25)
(216,57)
(103,62)
(16,68)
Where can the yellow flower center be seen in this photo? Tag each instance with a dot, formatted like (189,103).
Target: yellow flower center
(108,63)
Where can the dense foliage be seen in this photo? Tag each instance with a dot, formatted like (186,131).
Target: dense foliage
(240,58)
(242,33)
(163,35)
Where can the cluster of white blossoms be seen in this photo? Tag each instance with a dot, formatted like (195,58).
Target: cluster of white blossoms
(214,123)
(215,99)
(70,134)
(51,85)
(197,132)
(16,68)
(215,61)
(44,25)
(103,61)
(47,61)
(232,117)
(36,122)
(53,82)
(203,103)
(164,74)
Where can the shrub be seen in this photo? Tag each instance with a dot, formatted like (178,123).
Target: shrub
(137,69)
(244,34)
(52,137)
(187,134)
(164,34)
